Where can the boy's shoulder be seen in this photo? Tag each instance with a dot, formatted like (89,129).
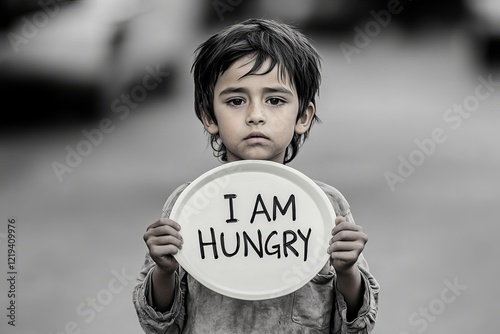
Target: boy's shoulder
(338,200)
(169,203)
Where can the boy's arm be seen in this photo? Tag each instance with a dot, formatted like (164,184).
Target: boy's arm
(351,286)
(163,241)
(347,242)
(151,319)
(356,293)
(364,321)
(160,307)
(355,311)
(156,302)
(163,286)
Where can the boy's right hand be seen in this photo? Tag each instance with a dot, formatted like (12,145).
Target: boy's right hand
(163,241)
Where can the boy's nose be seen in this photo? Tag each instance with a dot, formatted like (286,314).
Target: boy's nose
(255,114)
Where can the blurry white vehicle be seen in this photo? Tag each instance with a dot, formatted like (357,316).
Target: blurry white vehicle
(91,48)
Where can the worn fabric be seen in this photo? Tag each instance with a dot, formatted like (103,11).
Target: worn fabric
(317,307)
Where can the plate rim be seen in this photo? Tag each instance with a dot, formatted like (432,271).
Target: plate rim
(237,167)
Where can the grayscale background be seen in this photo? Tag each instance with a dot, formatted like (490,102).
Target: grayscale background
(64,63)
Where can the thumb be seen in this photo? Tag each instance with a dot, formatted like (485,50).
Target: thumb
(339,219)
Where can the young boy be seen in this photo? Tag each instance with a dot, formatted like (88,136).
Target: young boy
(255,89)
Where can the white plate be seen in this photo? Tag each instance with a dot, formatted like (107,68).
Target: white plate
(266,269)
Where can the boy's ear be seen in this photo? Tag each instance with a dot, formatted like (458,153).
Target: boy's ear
(209,124)
(304,122)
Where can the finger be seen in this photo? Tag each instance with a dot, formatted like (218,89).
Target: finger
(348,227)
(345,237)
(345,226)
(339,219)
(164,230)
(165,240)
(346,246)
(162,227)
(157,223)
(346,257)
(162,251)
(163,222)
(348,235)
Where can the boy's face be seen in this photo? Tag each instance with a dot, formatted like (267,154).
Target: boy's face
(256,115)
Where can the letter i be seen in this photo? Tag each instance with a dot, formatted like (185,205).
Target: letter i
(231,211)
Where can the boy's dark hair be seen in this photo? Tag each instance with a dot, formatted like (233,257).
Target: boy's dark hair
(265,39)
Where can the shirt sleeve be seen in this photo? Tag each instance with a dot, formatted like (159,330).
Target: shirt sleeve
(367,314)
(152,321)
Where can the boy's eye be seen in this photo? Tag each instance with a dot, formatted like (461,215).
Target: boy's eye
(236,102)
(275,101)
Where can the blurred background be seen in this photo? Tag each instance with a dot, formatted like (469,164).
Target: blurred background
(98,128)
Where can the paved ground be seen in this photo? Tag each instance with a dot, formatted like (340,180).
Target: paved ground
(438,227)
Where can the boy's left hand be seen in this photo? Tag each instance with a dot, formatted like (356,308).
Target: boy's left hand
(347,243)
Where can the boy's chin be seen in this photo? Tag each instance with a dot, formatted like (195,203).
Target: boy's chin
(256,153)
(257,157)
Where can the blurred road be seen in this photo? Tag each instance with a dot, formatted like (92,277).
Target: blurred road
(436,228)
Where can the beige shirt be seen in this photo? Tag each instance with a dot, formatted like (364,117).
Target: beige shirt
(317,307)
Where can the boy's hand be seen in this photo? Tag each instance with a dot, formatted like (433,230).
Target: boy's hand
(163,240)
(347,243)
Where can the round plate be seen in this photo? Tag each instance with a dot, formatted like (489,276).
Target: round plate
(253,229)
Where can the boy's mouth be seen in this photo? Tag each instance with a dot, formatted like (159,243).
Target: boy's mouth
(256,134)
(256,137)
